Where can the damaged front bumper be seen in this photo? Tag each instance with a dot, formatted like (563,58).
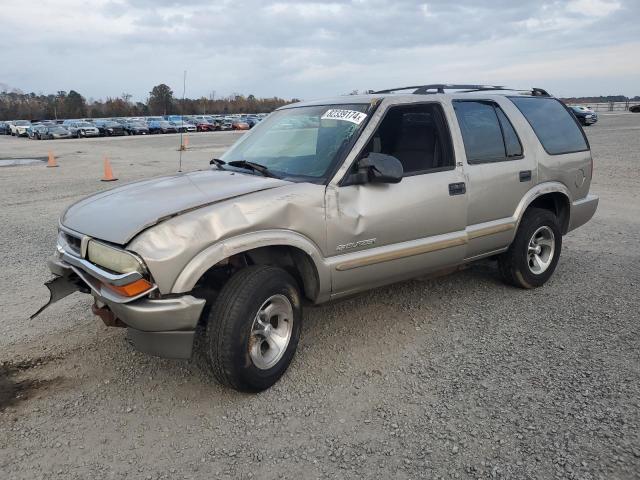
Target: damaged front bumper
(164,327)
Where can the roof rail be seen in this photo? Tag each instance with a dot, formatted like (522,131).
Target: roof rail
(441,87)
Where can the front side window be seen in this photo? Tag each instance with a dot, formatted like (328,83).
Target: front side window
(417,135)
(487,133)
(301,143)
(552,123)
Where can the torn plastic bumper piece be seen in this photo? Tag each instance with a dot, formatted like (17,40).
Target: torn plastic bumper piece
(163,327)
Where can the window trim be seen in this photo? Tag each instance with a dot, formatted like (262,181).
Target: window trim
(495,106)
(343,180)
(573,117)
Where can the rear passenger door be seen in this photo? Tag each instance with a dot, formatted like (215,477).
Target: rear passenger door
(498,170)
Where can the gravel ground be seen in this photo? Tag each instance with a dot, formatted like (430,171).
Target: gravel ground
(454,377)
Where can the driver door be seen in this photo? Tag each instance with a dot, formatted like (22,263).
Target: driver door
(383,232)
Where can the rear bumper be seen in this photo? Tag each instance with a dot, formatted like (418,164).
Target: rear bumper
(164,327)
(582,210)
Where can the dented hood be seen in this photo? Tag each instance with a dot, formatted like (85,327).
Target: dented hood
(120,214)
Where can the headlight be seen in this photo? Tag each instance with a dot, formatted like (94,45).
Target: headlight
(112,259)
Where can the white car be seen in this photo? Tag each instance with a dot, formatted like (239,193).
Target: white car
(19,128)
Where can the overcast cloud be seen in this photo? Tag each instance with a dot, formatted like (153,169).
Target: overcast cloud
(309,49)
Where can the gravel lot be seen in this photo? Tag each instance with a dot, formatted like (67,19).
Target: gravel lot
(455,377)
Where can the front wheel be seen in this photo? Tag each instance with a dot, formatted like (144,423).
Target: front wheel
(253,328)
(533,255)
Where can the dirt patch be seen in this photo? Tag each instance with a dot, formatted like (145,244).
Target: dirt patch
(14,388)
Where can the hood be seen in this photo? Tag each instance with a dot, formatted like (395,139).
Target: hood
(120,214)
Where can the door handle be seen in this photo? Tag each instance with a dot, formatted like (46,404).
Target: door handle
(525,175)
(457,188)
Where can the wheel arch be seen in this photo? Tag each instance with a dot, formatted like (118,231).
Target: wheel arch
(552,196)
(289,250)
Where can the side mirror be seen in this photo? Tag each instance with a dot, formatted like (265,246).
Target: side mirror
(379,168)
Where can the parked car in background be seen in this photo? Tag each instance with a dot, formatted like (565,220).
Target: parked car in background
(34,130)
(252,121)
(585,115)
(204,126)
(161,126)
(80,128)
(136,127)
(635,109)
(5,129)
(226,124)
(19,128)
(109,128)
(53,132)
(240,125)
(183,125)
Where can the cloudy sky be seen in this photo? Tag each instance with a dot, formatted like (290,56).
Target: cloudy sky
(309,49)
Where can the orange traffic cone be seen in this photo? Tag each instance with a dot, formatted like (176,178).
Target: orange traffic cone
(185,143)
(108,173)
(52,161)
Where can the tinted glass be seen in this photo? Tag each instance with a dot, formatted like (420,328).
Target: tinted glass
(480,132)
(511,141)
(553,124)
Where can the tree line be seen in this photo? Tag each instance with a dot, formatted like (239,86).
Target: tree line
(16,105)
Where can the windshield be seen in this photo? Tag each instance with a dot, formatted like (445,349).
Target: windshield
(22,123)
(83,124)
(300,143)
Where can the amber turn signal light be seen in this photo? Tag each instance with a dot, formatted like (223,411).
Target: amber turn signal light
(131,289)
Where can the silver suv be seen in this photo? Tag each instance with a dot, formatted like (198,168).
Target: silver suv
(322,200)
(81,129)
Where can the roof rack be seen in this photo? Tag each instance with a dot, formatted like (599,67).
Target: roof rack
(441,87)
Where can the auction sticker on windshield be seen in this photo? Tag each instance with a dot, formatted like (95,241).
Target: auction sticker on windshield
(347,115)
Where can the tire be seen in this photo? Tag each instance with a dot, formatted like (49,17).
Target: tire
(239,356)
(539,230)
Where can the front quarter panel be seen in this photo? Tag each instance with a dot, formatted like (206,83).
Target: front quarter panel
(169,247)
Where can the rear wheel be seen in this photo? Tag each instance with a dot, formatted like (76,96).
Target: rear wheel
(533,255)
(253,328)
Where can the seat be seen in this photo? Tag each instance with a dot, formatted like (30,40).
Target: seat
(417,147)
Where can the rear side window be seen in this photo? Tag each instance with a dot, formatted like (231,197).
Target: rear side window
(487,132)
(555,127)
(511,140)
